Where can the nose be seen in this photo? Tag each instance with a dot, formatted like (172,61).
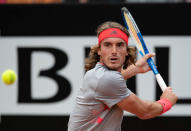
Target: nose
(114,50)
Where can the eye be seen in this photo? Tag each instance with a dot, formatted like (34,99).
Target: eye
(120,44)
(107,44)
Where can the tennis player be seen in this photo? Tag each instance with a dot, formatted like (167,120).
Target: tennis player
(104,95)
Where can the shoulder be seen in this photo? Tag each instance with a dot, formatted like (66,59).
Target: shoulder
(113,76)
(103,74)
(111,79)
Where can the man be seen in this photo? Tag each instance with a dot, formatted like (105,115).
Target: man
(104,95)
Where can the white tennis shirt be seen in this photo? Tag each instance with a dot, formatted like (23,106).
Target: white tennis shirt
(95,108)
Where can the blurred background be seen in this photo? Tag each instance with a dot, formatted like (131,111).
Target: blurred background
(46,42)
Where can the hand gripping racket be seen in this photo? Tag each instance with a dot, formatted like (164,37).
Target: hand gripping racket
(140,44)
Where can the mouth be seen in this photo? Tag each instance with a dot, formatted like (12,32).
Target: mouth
(114,59)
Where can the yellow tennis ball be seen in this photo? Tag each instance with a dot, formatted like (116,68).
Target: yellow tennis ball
(9,77)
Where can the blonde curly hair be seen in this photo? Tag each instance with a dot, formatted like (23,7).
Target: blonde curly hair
(93,57)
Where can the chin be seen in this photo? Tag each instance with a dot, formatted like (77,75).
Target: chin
(114,67)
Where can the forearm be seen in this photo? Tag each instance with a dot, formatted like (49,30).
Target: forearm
(142,109)
(152,109)
(167,100)
(141,66)
(129,72)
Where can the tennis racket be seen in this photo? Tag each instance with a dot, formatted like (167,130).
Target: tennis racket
(140,44)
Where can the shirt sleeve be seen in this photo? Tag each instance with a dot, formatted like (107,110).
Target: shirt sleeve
(112,88)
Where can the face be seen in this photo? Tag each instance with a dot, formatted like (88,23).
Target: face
(113,52)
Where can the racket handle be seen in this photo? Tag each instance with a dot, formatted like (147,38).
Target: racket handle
(152,66)
(159,78)
(161,82)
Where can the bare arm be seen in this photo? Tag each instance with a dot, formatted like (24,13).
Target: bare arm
(146,109)
(141,66)
(142,109)
(129,72)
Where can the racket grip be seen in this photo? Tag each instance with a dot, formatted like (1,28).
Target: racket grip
(152,66)
(161,82)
